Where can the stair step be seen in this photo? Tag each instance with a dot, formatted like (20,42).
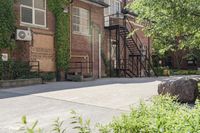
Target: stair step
(132,46)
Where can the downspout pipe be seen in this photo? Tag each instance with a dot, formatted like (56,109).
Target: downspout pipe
(96,28)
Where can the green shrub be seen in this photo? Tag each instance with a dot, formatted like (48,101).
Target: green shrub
(47,76)
(15,70)
(20,70)
(159,71)
(11,70)
(77,121)
(186,72)
(163,115)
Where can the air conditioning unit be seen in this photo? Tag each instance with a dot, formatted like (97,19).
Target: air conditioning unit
(23,35)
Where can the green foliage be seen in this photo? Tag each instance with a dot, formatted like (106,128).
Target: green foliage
(47,76)
(7,24)
(29,128)
(62,36)
(171,24)
(81,125)
(159,70)
(186,72)
(57,126)
(11,70)
(15,70)
(103,128)
(163,115)
(75,78)
(62,41)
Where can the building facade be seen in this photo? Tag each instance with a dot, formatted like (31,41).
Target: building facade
(95,41)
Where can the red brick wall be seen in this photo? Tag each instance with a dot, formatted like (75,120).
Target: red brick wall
(41,48)
(86,47)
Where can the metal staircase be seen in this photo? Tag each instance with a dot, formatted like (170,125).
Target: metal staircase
(133,58)
(135,51)
(137,60)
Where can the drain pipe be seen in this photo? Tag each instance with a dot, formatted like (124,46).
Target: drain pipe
(98,45)
(99,55)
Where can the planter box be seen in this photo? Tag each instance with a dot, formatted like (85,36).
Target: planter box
(19,82)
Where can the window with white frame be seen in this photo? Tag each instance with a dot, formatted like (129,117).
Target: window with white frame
(114,7)
(80,21)
(33,12)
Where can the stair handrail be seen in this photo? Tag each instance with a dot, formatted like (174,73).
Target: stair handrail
(141,44)
(139,50)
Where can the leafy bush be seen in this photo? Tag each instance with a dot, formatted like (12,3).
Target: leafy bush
(163,115)
(11,70)
(58,125)
(159,71)
(47,76)
(186,72)
(20,70)
(15,70)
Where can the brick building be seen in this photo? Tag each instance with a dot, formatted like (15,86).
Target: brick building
(95,38)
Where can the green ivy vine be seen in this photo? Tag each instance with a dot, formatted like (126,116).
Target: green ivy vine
(7,24)
(62,35)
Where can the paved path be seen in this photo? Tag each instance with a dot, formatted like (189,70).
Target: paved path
(98,100)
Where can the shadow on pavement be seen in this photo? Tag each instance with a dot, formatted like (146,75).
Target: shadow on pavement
(56,86)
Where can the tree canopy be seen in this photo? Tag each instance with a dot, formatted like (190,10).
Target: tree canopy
(172,24)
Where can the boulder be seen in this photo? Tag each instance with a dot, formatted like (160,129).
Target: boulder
(186,89)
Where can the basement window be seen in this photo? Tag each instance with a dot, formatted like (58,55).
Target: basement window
(33,12)
(80,21)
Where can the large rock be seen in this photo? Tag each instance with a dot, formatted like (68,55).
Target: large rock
(185,89)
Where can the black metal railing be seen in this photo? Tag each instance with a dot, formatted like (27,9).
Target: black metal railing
(11,70)
(139,46)
(82,68)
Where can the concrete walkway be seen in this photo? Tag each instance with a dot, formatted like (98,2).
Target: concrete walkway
(98,100)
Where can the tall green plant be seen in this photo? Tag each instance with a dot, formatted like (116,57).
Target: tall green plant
(7,24)
(62,36)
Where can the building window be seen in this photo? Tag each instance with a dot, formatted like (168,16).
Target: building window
(114,7)
(80,21)
(33,12)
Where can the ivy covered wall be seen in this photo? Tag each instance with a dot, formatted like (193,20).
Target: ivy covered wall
(62,37)
(7,24)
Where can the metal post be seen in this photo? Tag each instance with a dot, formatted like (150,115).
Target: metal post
(117,52)
(119,49)
(81,69)
(140,66)
(149,56)
(137,66)
(132,63)
(99,55)
(110,53)
(125,40)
